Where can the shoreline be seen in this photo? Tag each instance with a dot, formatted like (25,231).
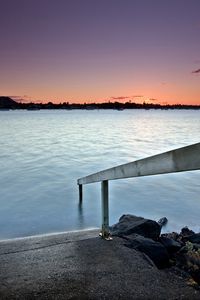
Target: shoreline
(51,234)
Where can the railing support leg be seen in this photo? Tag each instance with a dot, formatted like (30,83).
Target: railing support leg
(80,193)
(105,210)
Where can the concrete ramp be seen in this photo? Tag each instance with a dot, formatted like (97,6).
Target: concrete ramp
(83,266)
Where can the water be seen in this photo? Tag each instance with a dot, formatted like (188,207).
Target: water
(43,153)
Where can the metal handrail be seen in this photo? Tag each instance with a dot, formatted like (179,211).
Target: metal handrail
(178,160)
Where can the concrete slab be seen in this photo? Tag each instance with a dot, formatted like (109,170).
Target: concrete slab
(81,265)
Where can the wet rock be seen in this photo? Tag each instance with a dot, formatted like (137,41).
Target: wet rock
(172,235)
(185,232)
(196,246)
(171,245)
(163,221)
(188,259)
(130,224)
(194,238)
(178,250)
(155,250)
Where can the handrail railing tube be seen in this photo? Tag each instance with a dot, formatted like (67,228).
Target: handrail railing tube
(178,160)
(182,159)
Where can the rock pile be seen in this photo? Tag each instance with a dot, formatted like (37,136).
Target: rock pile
(187,257)
(181,250)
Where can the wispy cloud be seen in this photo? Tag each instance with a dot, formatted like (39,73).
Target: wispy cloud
(153,99)
(24,98)
(196,71)
(137,96)
(16,98)
(120,98)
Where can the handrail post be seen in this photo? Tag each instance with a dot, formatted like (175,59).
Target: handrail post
(80,193)
(105,210)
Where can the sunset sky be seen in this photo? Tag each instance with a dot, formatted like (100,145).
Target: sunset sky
(100,50)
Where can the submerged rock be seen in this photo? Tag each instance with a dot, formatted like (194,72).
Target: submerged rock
(129,224)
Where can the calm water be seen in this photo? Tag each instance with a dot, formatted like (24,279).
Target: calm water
(42,153)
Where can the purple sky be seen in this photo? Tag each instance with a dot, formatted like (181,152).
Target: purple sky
(91,50)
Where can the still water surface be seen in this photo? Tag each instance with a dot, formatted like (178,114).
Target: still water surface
(42,153)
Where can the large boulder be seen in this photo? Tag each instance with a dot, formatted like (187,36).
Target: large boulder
(129,224)
(155,250)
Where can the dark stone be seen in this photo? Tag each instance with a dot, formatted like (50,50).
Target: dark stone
(163,221)
(185,232)
(155,250)
(196,246)
(189,261)
(171,245)
(129,224)
(194,238)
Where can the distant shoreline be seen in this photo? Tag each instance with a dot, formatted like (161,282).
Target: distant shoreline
(7,103)
(90,107)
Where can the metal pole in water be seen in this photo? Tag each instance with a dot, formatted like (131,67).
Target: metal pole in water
(80,193)
(105,210)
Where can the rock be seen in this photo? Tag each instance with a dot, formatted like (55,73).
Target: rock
(129,224)
(194,238)
(171,245)
(189,262)
(188,259)
(172,235)
(155,250)
(163,221)
(185,232)
(196,246)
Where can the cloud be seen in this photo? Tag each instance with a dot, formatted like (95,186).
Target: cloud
(196,71)
(16,98)
(23,98)
(120,98)
(126,97)
(153,99)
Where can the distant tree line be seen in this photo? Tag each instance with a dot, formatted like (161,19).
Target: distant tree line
(8,103)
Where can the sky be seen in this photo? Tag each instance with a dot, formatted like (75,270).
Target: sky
(91,50)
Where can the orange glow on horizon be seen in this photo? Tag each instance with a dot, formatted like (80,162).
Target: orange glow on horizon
(132,99)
